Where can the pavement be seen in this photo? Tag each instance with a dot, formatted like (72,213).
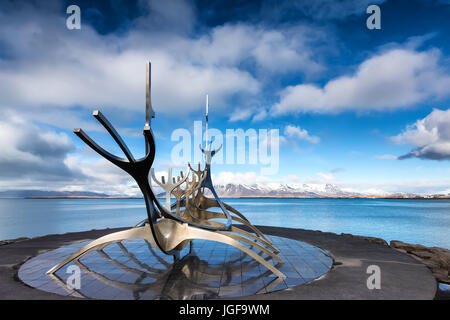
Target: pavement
(402,277)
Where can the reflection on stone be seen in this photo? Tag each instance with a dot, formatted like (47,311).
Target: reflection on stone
(132,269)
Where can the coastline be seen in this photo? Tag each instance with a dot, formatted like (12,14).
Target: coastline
(243,197)
(78,197)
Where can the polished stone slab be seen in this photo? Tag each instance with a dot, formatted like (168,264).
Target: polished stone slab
(132,269)
(403,277)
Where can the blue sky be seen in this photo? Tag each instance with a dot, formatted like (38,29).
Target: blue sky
(366,110)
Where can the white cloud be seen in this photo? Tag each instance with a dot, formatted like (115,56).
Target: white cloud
(373,187)
(323,177)
(176,16)
(27,150)
(260,115)
(272,50)
(417,186)
(100,170)
(100,176)
(331,9)
(249,178)
(394,79)
(292,178)
(55,67)
(430,136)
(34,157)
(240,114)
(386,157)
(300,134)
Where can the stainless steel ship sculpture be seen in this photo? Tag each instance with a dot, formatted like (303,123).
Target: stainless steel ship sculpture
(172,227)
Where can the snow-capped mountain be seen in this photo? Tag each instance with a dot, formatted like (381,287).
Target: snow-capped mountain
(282,190)
(310,190)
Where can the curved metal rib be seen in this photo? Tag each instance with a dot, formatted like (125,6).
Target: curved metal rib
(214,215)
(169,186)
(141,232)
(120,162)
(220,237)
(114,134)
(205,203)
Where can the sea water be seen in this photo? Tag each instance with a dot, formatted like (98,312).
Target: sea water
(415,221)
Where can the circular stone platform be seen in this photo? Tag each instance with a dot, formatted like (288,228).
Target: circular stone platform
(132,269)
(402,277)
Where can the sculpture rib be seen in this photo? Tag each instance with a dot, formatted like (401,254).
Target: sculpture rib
(205,215)
(133,233)
(243,232)
(189,233)
(204,203)
(219,237)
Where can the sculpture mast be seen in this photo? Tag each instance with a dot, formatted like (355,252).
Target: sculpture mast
(207,181)
(206,131)
(149,113)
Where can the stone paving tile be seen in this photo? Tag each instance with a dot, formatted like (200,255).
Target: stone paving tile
(37,283)
(211,282)
(124,295)
(30,274)
(113,275)
(128,278)
(93,288)
(272,283)
(289,271)
(230,279)
(230,291)
(257,286)
(53,287)
(292,282)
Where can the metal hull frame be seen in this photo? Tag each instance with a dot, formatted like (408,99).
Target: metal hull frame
(170,231)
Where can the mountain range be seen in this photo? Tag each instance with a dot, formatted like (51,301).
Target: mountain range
(283,190)
(48,194)
(237,190)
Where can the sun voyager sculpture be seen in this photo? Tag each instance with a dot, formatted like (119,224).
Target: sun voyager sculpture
(172,227)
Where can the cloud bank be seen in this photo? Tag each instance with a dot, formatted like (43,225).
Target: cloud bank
(54,67)
(430,136)
(388,81)
(30,153)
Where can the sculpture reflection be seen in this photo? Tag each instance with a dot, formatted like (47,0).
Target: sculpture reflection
(191,277)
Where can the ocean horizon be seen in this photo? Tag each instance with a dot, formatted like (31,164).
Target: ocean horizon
(419,221)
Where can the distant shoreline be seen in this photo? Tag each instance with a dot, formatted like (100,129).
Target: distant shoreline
(80,197)
(236,197)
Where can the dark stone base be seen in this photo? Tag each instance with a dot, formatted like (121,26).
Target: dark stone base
(402,277)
